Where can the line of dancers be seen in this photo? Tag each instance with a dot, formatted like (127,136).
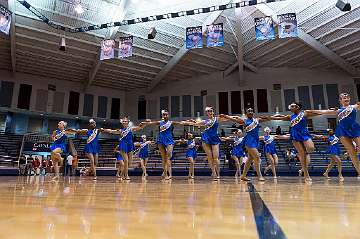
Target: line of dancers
(347,132)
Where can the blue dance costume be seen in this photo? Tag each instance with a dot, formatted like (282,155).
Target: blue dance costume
(92,142)
(334,146)
(126,140)
(165,137)
(144,150)
(347,127)
(210,135)
(298,130)
(238,149)
(269,144)
(60,140)
(118,157)
(191,149)
(251,139)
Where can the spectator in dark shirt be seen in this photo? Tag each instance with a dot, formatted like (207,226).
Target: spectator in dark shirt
(222,133)
(278,130)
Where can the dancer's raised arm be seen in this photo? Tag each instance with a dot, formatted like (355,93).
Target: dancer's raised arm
(139,127)
(111,131)
(280,117)
(235,119)
(150,123)
(313,113)
(77,131)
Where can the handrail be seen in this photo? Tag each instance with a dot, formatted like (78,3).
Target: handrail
(21,150)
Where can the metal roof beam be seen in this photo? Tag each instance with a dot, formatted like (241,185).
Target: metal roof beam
(122,8)
(12,36)
(181,52)
(313,43)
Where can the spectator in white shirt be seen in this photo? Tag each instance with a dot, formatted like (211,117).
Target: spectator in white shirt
(68,167)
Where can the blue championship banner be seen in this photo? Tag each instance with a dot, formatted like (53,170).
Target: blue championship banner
(215,35)
(194,37)
(125,47)
(264,29)
(5,22)
(287,25)
(107,49)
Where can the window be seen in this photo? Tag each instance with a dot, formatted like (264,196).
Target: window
(248,99)
(115,108)
(262,101)
(223,103)
(24,96)
(73,107)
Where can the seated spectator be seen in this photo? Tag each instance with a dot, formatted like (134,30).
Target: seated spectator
(84,171)
(291,156)
(35,164)
(43,167)
(74,164)
(22,165)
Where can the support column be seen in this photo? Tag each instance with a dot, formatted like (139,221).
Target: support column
(240,48)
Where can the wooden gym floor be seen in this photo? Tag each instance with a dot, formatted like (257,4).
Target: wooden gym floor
(35,207)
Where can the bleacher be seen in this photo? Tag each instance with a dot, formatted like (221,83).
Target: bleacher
(10,145)
(107,158)
(319,159)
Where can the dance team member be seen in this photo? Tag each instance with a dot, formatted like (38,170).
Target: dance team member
(143,153)
(210,139)
(270,149)
(251,140)
(165,141)
(126,145)
(237,152)
(58,146)
(120,162)
(92,147)
(299,134)
(334,151)
(191,152)
(348,130)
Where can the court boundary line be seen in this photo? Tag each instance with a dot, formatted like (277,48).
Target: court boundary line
(266,225)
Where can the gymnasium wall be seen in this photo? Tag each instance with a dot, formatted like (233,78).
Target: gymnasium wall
(268,90)
(45,98)
(30,97)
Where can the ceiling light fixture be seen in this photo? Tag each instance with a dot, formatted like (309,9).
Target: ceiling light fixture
(79,9)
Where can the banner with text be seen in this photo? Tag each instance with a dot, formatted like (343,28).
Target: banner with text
(5,22)
(125,47)
(194,37)
(264,28)
(287,25)
(215,35)
(107,49)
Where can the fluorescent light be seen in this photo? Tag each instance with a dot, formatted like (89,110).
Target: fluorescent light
(79,9)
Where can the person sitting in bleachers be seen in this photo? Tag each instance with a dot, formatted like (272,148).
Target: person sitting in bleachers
(22,165)
(43,167)
(291,156)
(35,166)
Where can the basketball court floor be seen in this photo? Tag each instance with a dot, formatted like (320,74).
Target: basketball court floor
(35,207)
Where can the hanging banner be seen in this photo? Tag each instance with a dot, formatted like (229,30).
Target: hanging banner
(287,25)
(194,37)
(215,35)
(107,49)
(125,46)
(5,22)
(264,29)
